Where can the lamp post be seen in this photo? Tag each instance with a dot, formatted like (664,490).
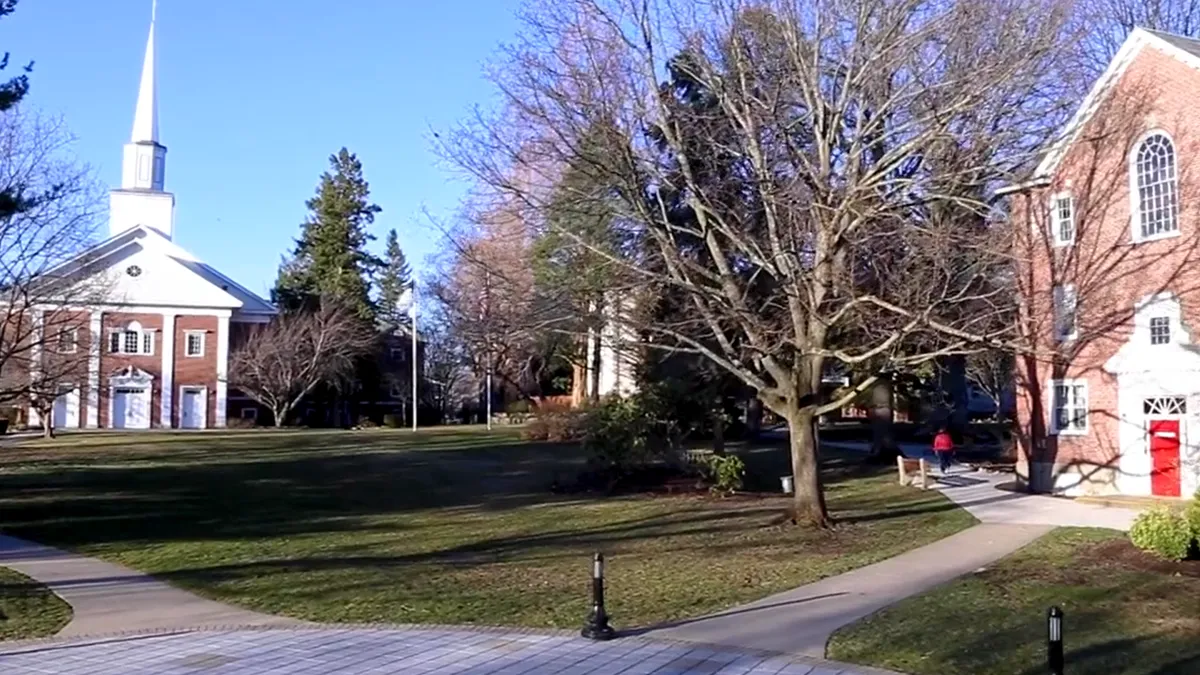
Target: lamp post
(1054,644)
(597,627)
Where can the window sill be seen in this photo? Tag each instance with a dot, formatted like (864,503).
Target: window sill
(1069,432)
(1063,244)
(1156,237)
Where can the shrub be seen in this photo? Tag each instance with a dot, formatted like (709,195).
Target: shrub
(240,423)
(1162,532)
(623,433)
(557,427)
(1192,515)
(365,422)
(725,472)
(522,407)
(391,421)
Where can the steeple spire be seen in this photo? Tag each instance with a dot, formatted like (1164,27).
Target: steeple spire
(141,199)
(145,121)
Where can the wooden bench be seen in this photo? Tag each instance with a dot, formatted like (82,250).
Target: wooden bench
(913,472)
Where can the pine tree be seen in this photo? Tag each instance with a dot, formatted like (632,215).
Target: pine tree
(394,279)
(12,91)
(331,258)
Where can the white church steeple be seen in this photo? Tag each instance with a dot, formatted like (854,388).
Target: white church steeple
(141,200)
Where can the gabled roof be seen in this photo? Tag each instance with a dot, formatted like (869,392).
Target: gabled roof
(224,293)
(1185,49)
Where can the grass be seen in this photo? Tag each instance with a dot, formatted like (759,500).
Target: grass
(1125,613)
(445,526)
(28,609)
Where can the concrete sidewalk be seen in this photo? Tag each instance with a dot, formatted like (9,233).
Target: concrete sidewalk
(980,494)
(108,598)
(801,620)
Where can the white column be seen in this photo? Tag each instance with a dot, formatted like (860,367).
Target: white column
(222,370)
(35,363)
(97,343)
(168,369)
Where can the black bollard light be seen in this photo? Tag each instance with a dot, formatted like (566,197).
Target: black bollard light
(1054,641)
(597,627)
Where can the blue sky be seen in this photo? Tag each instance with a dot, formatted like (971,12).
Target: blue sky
(254,95)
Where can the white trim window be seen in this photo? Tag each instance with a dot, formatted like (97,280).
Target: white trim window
(1062,218)
(193,343)
(1156,188)
(131,340)
(396,390)
(68,340)
(1068,407)
(1160,330)
(1066,312)
(249,414)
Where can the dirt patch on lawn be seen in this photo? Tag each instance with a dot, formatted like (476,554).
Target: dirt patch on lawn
(1121,552)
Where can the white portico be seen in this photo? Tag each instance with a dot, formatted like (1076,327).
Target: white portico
(1158,403)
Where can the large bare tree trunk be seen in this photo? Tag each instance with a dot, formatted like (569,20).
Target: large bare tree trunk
(48,424)
(809,497)
(754,416)
(883,418)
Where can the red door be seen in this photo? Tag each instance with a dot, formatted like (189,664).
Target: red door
(1164,453)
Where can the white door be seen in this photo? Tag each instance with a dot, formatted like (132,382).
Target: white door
(66,407)
(192,409)
(131,408)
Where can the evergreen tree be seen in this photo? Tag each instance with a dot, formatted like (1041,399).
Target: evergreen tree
(12,91)
(331,258)
(394,279)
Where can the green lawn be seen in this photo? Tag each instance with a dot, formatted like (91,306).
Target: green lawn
(447,526)
(1125,613)
(28,609)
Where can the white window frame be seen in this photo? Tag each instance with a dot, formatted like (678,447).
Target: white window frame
(145,340)
(1052,404)
(1061,294)
(252,416)
(187,343)
(1056,222)
(73,341)
(1151,327)
(396,390)
(1135,200)
(396,353)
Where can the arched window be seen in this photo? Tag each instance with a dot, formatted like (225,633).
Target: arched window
(1157,187)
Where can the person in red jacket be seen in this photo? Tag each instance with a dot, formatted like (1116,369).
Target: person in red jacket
(943,447)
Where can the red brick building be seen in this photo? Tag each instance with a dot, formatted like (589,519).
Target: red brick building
(1109,232)
(158,343)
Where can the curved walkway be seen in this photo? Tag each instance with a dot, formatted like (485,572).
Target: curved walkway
(801,621)
(108,598)
(354,651)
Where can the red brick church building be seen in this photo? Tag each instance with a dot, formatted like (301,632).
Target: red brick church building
(159,343)
(1110,230)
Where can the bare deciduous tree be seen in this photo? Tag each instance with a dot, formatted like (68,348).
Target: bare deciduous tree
(1104,25)
(812,184)
(47,287)
(279,363)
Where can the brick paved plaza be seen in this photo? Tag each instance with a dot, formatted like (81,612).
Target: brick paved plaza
(345,651)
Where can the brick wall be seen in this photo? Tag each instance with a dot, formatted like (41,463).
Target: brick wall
(198,371)
(1110,272)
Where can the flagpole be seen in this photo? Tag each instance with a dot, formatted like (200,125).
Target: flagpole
(414,356)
